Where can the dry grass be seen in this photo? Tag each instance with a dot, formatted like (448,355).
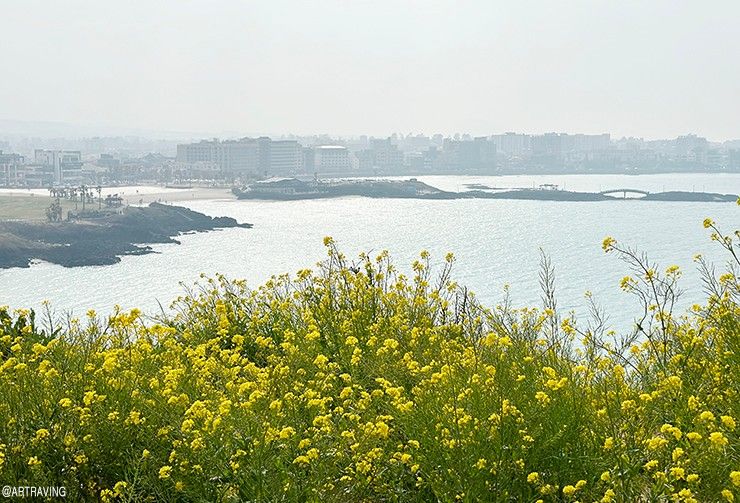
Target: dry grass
(28,207)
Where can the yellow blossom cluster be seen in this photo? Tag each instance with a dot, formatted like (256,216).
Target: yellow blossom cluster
(359,383)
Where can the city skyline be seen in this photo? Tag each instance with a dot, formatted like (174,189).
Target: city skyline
(59,130)
(652,70)
(96,161)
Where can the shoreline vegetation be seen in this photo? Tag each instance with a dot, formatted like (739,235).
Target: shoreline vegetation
(101,241)
(354,382)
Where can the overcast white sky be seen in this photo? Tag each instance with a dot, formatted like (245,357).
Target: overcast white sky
(652,68)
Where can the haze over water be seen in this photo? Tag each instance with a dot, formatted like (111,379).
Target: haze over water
(496,242)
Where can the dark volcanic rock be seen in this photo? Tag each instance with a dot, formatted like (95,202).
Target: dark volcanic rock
(704,197)
(103,241)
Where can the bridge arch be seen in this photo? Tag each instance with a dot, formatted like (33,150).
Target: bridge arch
(624,192)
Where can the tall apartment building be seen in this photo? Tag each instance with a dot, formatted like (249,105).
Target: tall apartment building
(66,165)
(590,142)
(262,156)
(548,144)
(308,160)
(478,154)
(474,154)
(387,154)
(690,143)
(331,159)
(556,144)
(286,157)
(513,144)
(382,154)
(234,157)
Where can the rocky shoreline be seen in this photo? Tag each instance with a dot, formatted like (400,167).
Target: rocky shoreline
(101,241)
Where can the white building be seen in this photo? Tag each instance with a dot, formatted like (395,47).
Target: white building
(11,169)
(285,157)
(233,156)
(331,159)
(66,164)
(513,144)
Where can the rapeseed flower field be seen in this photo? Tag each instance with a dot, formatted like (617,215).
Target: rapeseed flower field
(354,382)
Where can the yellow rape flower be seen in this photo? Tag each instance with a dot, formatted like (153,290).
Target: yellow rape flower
(717,439)
(735,478)
(728,421)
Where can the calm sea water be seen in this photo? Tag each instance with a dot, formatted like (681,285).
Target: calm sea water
(496,242)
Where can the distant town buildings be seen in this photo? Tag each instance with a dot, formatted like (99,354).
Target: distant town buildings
(247,156)
(227,161)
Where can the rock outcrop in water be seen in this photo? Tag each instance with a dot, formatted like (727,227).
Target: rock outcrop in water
(101,241)
(700,197)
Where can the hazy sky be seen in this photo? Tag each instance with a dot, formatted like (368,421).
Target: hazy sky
(652,68)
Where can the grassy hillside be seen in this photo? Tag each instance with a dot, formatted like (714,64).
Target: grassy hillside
(352,382)
(22,207)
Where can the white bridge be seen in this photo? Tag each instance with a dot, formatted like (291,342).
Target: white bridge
(624,192)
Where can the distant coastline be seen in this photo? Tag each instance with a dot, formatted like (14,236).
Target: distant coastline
(101,241)
(292,189)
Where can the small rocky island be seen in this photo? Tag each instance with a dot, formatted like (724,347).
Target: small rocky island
(101,241)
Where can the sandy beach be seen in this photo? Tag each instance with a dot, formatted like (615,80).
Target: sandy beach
(146,195)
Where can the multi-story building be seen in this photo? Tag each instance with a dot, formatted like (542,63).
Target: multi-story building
(417,143)
(263,154)
(285,157)
(733,159)
(246,156)
(690,144)
(235,157)
(478,154)
(11,169)
(332,159)
(66,164)
(513,144)
(383,154)
(194,152)
(308,159)
(365,160)
(556,144)
(387,155)
(548,144)
(590,142)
